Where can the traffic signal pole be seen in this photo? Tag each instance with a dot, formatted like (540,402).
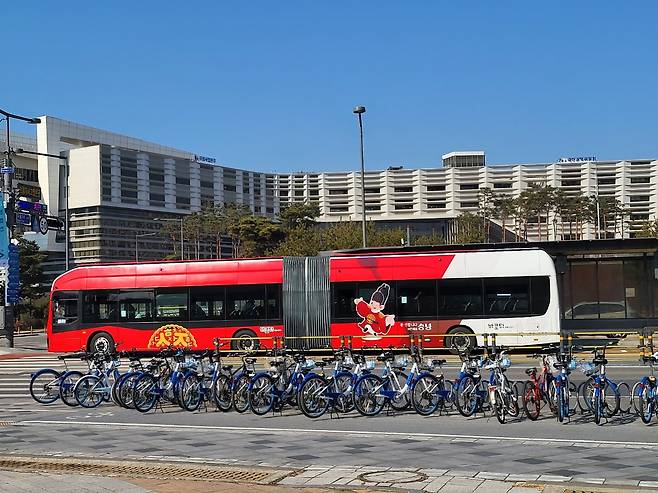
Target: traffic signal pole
(9,198)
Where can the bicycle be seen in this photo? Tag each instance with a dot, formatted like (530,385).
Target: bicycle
(601,394)
(45,384)
(647,391)
(469,391)
(318,392)
(539,389)
(92,389)
(502,394)
(273,389)
(231,389)
(563,388)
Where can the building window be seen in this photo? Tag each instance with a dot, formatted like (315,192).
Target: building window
(403,189)
(338,209)
(570,183)
(639,198)
(436,205)
(606,181)
(503,185)
(641,179)
(403,207)
(372,190)
(229,188)
(338,191)
(436,188)
(468,186)
(466,205)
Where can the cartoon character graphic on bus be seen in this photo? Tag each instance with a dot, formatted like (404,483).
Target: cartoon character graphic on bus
(373,319)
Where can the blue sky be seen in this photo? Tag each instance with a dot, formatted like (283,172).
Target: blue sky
(271,85)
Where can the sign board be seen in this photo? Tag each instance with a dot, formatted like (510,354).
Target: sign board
(205,159)
(577,159)
(7,170)
(29,191)
(13,282)
(34,207)
(24,218)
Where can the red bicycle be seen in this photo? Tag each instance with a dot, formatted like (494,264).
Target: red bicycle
(539,389)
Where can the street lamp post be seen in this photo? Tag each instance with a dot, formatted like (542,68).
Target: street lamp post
(137,237)
(360,110)
(170,220)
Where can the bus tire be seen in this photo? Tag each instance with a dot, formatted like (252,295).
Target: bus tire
(463,339)
(101,342)
(244,340)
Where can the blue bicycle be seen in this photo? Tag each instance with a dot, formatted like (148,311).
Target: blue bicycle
(271,390)
(563,389)
(647,392)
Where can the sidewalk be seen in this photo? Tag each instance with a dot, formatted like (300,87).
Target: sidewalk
(36,482)
(25,345)
(76,475)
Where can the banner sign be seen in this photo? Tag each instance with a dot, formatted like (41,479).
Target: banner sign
(4,236)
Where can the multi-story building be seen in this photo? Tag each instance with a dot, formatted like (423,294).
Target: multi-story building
(123,188)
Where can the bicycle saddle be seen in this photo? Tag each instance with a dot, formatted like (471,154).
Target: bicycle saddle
(438,362)
(531,371)
(321,364)
(600,361)
(250,361)
(327,360)
(227,367)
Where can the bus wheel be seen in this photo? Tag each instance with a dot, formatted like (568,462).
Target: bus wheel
(102,342)
(244,340)
(462,340)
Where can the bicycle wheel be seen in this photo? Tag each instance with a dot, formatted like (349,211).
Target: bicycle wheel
(425,394)
(189,392)
(145,392)
(625,397)
(312,399)
(344,401)
(647,402)
(499,406)
(531,401)
(87,391)
(114,391)
(513,408)
(467,396)
(44,386)
(125,391)
(401,401)
(611,400)
(67,384)
(261,394)
(240,393)
(221,392)
(597,407)
(368,398)
(636,396)
(562,402)
(587,392)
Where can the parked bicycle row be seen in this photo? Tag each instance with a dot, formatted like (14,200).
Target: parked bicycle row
(349,381)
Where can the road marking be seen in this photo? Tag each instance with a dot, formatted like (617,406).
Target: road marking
(343,432)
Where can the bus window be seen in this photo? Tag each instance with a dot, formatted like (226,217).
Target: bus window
(136,306)
(343,300)
(507,296)
(171,304)
(207,303)
(273,302)
(460,297)
(99,307)
(65,309)
(541,294)
(245,302)
(416,299)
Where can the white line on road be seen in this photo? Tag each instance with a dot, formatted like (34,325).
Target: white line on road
(343,432)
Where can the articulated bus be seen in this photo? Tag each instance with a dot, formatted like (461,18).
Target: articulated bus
(380,299)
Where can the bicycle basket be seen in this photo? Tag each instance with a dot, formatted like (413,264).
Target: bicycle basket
(588,368)
(401,362)
(370,365)
(309,364)
(505,362)
(572,365)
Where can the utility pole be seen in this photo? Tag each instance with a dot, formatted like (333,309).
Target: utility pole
(9,200)
(360,110)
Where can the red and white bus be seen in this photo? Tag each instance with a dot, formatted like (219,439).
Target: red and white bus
(379,298)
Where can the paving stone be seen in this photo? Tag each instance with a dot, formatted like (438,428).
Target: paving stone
(493,486)
(437,483)
(523,477)
(553,478)
(492,475)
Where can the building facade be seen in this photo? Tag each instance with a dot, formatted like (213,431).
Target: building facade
(123,190)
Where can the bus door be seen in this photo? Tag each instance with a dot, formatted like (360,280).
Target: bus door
(65,320)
